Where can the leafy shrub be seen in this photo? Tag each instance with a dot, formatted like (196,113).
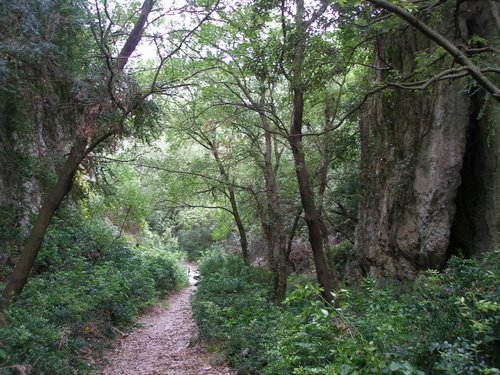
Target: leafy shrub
(231,308)
(442,323)
(87,282)
(166,270)
(194,239)
(342,254)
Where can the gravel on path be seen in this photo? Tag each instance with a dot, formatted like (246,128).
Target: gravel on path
(163,344)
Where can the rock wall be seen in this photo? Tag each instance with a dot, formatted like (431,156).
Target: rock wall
(430,162)
(39,67)
(32,144)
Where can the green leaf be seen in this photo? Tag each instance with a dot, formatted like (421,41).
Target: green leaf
(394,366)
(345,369)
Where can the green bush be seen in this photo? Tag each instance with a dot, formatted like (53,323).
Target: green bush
(87,282)
(442,323)
(194,239)
(231,308)
(166,269)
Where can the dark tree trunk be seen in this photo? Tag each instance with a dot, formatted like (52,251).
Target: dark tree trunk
(21,272)
(241,229)
(455,50)
(79,150)
(412,162)
(322,178)
(311,214)
(476,225)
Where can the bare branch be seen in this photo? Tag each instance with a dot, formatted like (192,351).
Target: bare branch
(444,75)
(459,56)
(187,205)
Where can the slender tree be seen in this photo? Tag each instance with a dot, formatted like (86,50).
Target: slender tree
(311,213)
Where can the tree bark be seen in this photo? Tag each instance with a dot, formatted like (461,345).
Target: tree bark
(241,228)
(292,234)
(322,177)
(311,213)
(270,242)
(79,150)
(135,36)
(275,214)
(32,245)
(412,162)
(459,56)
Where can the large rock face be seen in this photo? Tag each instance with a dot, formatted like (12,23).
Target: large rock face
(476,226)
(430,163)
(31,144)
(37,109)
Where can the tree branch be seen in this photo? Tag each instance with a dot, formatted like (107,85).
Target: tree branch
(134,36)
(460,57)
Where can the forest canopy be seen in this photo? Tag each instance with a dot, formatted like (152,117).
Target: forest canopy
(353,140)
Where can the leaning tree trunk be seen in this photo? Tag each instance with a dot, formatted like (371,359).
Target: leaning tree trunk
(239,225)
(32,245)
(311,213)
(79,150)
(420,200)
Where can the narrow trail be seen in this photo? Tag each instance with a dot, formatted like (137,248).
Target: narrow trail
(162,346)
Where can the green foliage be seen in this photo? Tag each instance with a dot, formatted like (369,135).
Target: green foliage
(196,232)
(231,309)
(443,323)
(165,267)
(126,201)
(10,231)
(194,239)
(39,35)
(342,253)
(87,282)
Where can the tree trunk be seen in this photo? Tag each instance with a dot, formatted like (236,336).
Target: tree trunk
(232,200)
(239,224)
(292,234)
(312,218)
(476,225)
(241,230)
(412,155)
(322,178)
(79,150)
(275,215)
(21,272)
(311,214)
(455,50)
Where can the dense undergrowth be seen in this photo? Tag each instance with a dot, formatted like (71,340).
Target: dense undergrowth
(442,323)
(87,283)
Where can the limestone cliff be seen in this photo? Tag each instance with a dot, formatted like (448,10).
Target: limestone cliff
(430,160)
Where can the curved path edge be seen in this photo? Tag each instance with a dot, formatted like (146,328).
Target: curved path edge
(163,345)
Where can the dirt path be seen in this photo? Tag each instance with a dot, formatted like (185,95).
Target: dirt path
(162,345)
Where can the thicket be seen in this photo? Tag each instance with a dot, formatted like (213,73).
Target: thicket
(87,282)
(442,323)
